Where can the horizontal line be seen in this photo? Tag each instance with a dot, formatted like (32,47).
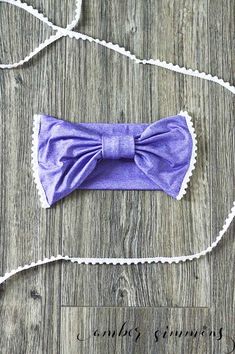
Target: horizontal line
(138,307)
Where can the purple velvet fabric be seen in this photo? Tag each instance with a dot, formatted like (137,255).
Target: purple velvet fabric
(112,156)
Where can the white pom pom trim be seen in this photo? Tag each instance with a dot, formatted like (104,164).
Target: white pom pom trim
(188,174)
(35,167)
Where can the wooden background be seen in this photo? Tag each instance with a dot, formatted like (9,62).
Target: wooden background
(44,309)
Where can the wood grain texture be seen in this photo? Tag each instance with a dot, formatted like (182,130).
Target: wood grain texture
(136,330)
(42,310)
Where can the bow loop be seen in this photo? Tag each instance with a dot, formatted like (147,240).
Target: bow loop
(116,147)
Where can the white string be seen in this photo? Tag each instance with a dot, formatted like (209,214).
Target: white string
(127,261)
(41,17)
(71,34)
(67,32)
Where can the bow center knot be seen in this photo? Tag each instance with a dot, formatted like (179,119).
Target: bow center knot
(118,147)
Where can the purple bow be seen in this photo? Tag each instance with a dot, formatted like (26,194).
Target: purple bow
(68,156)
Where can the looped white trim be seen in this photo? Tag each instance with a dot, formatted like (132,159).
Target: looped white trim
(67,32)
(44,19)
(188,174)
(71,34)
(128,261)
(41,192)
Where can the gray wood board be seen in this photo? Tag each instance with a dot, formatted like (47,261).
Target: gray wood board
(42,310)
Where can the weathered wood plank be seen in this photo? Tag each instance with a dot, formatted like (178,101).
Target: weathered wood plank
(136,330)
(222,161)
(83,82)
(30,302)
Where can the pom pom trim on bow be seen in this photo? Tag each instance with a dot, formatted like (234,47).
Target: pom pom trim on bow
(193,160)
(41,192)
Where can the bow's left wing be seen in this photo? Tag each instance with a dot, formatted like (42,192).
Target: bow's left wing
(64,154)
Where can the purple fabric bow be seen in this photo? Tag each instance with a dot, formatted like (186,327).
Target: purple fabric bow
(68,156)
